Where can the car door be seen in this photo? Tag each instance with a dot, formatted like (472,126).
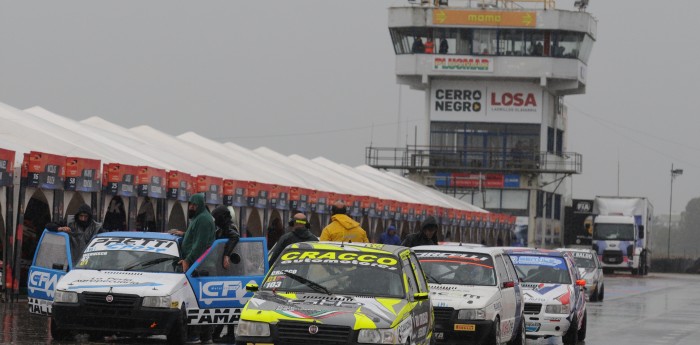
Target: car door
(517,291)
(51,262)
(423,312)
(221,293)
(506,284)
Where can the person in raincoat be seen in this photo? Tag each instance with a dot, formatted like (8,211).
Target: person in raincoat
(300,233)
(343,228)
(426,236)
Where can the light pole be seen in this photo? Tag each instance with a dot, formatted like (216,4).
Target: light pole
(674,173)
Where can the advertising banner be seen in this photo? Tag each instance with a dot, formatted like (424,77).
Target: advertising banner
(299,198)
(501,102)
(511,181)
(120,179)
(354,203)
(235,193)
(279,197)
(322,204)
(462,63)
(263,195)
(7,166)
(313,200)
(212,187)
(82,174)
(518,19)
(46,171)
(151,182)
(178,183)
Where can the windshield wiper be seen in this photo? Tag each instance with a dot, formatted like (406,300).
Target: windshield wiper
(316,286)
(150,263)
(434,280)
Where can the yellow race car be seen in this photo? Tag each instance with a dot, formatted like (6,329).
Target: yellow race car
(340,293)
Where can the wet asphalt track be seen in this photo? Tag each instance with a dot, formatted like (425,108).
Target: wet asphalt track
(654,310)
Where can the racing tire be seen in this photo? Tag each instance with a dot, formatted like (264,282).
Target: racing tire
(571,335)
(178,333)
(582,330)
(60,334)
(495,334)
(594,295)
(601,294)
(519,337)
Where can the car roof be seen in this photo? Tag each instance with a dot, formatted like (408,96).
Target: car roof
(533,251)
(585,250)
(140,234)
(464,249)
(461,244)
(350,246)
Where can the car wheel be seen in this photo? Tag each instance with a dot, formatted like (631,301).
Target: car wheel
(178,332)
(60,334)
(594,296)
(571,335)
(519,337)
(495,336)
(582,331)
(601,294)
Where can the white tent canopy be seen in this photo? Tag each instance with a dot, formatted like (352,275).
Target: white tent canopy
(41,130)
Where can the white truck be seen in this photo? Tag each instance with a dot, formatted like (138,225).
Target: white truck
(621,233)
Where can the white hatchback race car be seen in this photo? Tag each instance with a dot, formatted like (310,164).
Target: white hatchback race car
(555,303)
(475,293)
(591,270)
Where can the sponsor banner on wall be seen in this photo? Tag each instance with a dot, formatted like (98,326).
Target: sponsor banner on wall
(511,181)
(582,206)
(211,187)
(120,179)
(263,195)
(279,197)
(83,175)
(462,63)
(178,185)
(46,171)
(503,102)
(299,199)
(7,164)
(520,19)
(234,193)
(151,182)
(355,203)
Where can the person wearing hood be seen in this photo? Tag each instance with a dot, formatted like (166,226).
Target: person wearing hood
(83,228)
(300,233)
(426,236)
(343,228)
(390,236)
(200,233)
(223,219)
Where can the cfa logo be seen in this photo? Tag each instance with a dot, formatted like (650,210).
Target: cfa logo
(217,291)
(583,207)
(42,282)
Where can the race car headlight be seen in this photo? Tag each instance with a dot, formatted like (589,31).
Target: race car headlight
(472,314)
(377,336)
(557,309)
(156,301)
(65,297)
(252,329)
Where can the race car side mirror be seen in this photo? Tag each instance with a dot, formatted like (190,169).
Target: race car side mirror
(252,287)
(420,296)
(581,282)
(508,285)
(235,258)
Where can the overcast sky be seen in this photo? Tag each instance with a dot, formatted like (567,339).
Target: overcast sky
(316,78)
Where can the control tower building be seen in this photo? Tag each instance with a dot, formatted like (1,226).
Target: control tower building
(495,74)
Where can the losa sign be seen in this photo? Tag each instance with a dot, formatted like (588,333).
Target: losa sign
(453,100)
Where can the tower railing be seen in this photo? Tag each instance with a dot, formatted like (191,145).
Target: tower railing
(451,159)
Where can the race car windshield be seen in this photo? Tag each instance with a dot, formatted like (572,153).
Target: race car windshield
(344,273)
(541,269)
(617,232)
(458,268)
(126,260)
(130,254)
(584,262)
